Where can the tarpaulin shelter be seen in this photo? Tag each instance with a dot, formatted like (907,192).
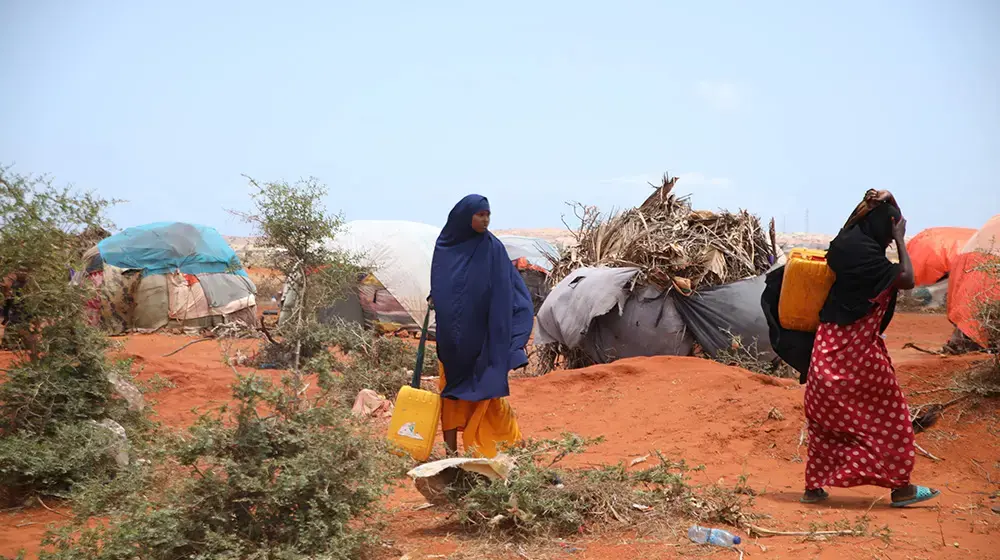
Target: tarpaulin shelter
(933,250)
(969,287)
(168,274)
(603,312)
(398,253)
(393,295)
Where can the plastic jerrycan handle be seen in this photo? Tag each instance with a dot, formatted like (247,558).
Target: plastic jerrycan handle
(418,368)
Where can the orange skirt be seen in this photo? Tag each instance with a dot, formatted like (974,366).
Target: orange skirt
(485,425)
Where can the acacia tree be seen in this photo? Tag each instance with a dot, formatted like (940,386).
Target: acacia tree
(60,385)
(292,222)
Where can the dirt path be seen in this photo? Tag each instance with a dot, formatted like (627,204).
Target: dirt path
(687,408)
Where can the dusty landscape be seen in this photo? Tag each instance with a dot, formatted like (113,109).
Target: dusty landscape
(687,408)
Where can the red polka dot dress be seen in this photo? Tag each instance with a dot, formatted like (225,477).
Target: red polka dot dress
(859,424)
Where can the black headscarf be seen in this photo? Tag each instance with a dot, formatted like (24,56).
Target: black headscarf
(857,257)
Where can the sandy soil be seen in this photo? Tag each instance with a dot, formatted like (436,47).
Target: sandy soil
(687,408)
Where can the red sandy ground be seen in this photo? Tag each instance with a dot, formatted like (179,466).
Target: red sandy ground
(687,408)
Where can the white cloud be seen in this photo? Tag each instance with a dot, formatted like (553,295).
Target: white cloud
(723,96)
(689,180)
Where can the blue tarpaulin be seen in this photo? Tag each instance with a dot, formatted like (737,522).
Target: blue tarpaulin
(166,247)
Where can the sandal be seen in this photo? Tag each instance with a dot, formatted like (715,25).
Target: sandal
(922,494)
(814,496)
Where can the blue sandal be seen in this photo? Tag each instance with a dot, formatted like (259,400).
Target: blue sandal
(922,495)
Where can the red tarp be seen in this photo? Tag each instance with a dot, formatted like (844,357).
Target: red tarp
(933,250)
(967,287)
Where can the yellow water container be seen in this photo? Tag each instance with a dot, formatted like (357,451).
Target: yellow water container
(415,417)
(414,422)
(804,289)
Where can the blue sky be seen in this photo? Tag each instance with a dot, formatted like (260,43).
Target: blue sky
(403,107)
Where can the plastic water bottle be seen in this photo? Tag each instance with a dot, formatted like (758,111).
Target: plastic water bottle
(718,537)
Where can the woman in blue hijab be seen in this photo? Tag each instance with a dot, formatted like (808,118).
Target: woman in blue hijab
(484,319)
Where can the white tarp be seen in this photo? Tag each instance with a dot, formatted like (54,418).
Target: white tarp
(399,253)
(534,249)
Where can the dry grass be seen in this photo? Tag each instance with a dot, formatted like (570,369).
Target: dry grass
(540,501)
(549,357)
(747,356)
(671,244)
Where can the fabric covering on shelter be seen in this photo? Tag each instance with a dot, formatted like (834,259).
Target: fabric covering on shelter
(166,247)
(399,255)
(933,250)
(583,295)
(227,292)
(167,274)
(597,310)
(648,325)
(969,287)
(715,315)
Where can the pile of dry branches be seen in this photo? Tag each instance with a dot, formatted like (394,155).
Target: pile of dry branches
(672,244)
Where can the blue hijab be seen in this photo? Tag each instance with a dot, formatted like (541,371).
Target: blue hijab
(483,309)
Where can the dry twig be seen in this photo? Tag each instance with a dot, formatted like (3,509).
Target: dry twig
(760,531)
(39,498)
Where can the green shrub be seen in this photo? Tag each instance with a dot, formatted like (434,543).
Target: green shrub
(60,383)
(277,476)
(373,361)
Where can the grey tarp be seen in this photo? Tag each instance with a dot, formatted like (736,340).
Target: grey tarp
(648,326)
(716,314)
(587,293)
(592,309)
(223,289)
(151,309)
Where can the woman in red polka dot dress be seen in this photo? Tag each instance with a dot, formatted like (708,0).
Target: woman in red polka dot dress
(860,432)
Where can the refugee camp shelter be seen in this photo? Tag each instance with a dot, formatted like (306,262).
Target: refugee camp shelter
(168,274)
(933,250)
(393,296)
(398,254)
(604,313)
(969,286)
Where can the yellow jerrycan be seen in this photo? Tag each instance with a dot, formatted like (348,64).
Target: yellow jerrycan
(415,418)
(804,289)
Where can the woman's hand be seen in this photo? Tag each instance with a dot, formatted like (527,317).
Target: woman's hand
(874,197)
(899,231)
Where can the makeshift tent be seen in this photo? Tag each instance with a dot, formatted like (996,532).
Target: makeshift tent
(393,296)
(603,312)
(968,287)
(933,250)
(531,257)
(655,279)
(168,274)
(399,253)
